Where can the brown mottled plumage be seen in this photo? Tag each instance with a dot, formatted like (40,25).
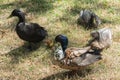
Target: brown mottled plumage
(74,58)
(77,58)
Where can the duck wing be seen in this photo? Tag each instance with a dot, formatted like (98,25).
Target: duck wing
(86,59)
(86,16)
(80,62)
(31,32)
(74,52)
(31,28)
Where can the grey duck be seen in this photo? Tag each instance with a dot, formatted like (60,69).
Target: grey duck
(88,19)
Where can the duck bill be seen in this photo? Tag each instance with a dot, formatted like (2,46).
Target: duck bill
(55,42)
(9,16)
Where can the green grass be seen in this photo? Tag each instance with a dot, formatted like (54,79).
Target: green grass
(58,17)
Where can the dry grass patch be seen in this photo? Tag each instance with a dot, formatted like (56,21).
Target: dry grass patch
(58,17)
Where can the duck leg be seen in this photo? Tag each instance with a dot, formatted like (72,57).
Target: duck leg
(33,46)
(30,46)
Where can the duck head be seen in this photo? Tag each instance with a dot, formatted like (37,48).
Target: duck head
(15,12)
(63,40)
(19,14)
(60,51)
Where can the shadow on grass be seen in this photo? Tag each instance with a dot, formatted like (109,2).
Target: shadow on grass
(34,6)
(21,52)
(71,75)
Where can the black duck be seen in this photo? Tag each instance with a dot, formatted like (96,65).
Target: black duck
(31,32)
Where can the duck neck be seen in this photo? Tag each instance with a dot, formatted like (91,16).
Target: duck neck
(64,46)
(21,18)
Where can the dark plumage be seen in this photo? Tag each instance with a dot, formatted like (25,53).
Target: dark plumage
(89,19)
(31,32)
(63,41)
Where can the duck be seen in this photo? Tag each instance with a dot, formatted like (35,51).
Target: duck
(88,19)
(101,39)
(73,58)
(30,32)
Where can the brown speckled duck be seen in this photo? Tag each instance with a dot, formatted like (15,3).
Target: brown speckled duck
(76,58)
(73,58)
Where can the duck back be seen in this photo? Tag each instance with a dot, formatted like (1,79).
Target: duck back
(31,32)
